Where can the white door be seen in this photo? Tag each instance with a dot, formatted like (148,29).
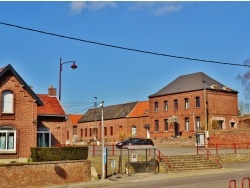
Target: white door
(200,140)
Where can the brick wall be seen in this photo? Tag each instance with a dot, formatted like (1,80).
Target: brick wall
(23,120)
(229,137)
(44,174)
(57,126)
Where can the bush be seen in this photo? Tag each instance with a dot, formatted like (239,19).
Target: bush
(59,153)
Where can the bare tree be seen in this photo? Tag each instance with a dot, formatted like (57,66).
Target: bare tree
(244,79)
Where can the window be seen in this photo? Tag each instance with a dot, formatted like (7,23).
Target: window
(111,131)
(166,124)
(166,105)
(67,134)
(156,125)
(7,139)
(74,130)
(220,122)
(86,132)
(175,104)
(232,124)
(156,106)
(90,132)
(105,131)
(43,137)
(186,103)
(198,102)
(133,130)
(7,102)
(81,132)
(198,123)
(187,124)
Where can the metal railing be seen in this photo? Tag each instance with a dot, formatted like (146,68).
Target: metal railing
(163,158)
(227,148)
(209,155)
(233,183)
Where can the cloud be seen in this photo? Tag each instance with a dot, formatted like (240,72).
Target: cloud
(76,7)
(168,9)
(157,8)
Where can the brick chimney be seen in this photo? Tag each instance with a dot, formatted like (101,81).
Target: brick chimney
(52,91)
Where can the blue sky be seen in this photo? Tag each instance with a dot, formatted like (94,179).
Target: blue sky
(218,31)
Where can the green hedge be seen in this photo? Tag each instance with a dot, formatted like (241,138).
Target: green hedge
(59,153)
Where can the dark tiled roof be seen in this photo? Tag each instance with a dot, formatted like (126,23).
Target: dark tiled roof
(7,68)
(190,82)
(109,112)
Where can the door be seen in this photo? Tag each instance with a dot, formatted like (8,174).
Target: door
(176,129)
(200,140)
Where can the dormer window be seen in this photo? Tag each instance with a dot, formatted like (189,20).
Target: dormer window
(7,102)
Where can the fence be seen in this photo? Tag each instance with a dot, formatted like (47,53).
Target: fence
(227,148)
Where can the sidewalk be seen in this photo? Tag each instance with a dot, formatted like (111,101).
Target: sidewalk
(143,177)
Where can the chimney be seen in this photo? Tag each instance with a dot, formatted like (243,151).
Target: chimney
(52,91)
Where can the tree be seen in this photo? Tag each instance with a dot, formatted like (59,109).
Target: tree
(244,79)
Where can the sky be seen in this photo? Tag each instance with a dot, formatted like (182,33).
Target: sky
(217,31)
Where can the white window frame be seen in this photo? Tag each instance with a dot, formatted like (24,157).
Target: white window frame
(7,130)
(187,124)
(7,101)
(198,123)
(186,103)
(43,131)
(133,130)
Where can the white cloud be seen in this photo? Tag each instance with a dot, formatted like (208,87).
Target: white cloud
(168,9)
(157,8)
(77,7)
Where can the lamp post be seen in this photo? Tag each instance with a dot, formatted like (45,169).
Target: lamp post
(205,104)
(73,66)
(103,152)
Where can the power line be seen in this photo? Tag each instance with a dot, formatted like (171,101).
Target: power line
(124,48)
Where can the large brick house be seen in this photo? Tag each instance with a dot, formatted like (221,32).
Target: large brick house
(120,121)
(27,120)
(193,104)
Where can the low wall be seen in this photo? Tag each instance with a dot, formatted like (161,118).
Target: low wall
(44,173)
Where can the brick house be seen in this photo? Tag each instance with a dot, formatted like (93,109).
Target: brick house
(193,104)
(120,121)
(51,121)
(71,127)
(18,115)
(27,119)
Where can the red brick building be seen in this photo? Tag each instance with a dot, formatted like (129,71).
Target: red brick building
(193,103)
(27,120)
(71,127)
(120,121)
(18,115)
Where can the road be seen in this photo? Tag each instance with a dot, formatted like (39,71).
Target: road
(236,171)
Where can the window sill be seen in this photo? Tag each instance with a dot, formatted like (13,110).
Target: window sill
(7,152)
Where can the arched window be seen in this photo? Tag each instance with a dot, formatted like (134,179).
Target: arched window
(7,139)
(7,102)
(43,137)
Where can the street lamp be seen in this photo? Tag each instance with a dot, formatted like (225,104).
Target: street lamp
(205,104)
(103,153)
(73,66)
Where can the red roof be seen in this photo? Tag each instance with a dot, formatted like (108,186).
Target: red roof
(74,118)
(51,106)
(141,109)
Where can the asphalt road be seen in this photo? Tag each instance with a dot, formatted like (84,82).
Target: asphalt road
(215,178)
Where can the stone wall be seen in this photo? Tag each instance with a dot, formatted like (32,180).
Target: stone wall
(44,173)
